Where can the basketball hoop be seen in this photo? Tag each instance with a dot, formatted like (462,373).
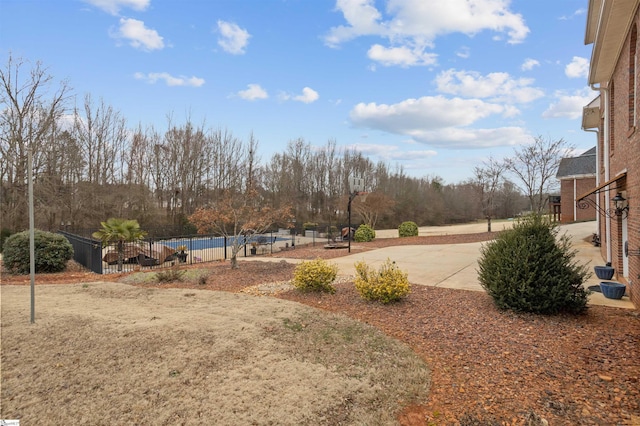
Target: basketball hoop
(356,184)
(363,196)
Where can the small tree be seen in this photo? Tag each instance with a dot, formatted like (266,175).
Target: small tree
(487,180)
(240,218)
(119,231)
(535,165)
(372,206)
(531,269)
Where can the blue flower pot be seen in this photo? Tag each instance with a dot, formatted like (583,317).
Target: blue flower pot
(604,272)
(612,290)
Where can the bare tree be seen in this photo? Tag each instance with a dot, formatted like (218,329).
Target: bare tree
(28,111)
(102,133)
(240,218)
(372,206)
(487,180)
(535,166)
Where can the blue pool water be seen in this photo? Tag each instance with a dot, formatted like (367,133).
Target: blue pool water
(206,243)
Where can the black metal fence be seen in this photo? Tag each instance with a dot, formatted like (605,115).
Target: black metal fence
(166,252)
(86,251)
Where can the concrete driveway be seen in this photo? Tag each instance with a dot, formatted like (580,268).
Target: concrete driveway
(455,265)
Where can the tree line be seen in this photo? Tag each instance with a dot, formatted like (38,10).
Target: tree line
(89,165)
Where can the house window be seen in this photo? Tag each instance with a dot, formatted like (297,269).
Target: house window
(632,77)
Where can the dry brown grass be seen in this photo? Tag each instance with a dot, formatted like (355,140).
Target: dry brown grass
(107,353)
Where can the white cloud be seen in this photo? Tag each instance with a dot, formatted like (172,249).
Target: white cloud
(169,80)
(253,92)
(529,64)
(577,68)
(426,113)
(463,138)
(308,96)
(403,56)
(497,86)
(392,152)
(113,6)
(138,35)
(438,121)
(413,25)
(362,17)
(578,12)
(233,39)
(463,52)
(569,105)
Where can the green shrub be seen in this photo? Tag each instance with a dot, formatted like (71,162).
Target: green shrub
(315,275)
(4,234)
(309,225)
(386,285)
(364,233)
(408,229)
(531,269)
(52,251)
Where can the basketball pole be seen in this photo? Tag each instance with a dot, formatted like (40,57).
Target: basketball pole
(353,195)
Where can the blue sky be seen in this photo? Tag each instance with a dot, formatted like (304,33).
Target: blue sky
(435,86)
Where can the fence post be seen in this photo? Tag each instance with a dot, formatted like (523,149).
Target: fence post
(225,247)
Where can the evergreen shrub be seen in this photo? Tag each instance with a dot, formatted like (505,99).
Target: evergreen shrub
(315,275)
(530,268)
(4,234)
(364,234)
(408,229)
(388,284)
(52,251)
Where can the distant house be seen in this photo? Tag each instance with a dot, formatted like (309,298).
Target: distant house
(577,175)
(614,116)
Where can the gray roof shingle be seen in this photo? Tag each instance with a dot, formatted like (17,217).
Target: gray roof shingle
(581,165)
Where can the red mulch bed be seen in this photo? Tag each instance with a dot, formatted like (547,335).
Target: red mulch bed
(489,367)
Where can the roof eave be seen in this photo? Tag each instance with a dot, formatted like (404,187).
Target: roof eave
(613,22)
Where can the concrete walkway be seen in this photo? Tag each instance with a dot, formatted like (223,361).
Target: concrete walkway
(455,265)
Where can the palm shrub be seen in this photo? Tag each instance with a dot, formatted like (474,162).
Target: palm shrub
(51,251)
(119,231)
(408,229)
(315,275)
(531,269)
(364,233)
(386,285)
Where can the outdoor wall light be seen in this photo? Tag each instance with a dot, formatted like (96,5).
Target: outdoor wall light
(622,207)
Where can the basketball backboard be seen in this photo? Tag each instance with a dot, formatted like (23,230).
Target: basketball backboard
(356,184)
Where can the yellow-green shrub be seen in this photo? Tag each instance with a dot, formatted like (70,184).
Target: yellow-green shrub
(315,275)
(385,285)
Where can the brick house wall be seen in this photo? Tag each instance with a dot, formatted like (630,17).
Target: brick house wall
(625,158)
(570,189)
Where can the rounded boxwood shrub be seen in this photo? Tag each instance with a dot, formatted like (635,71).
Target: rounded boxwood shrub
(52,251)
(364,233)
(408,229)
(4,234)
(315,275)
(385,285)
(531,269)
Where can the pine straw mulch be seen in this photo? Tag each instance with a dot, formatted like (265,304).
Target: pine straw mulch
(489,367)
